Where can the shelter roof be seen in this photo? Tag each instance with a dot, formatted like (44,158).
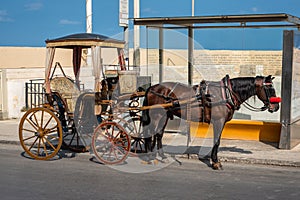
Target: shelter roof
(260,20)
(84,40)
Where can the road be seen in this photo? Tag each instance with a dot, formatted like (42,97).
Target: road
(81,178)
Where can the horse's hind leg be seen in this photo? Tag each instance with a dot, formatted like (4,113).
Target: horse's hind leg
(148,142)
(159,137)
(153,142)
(149,155)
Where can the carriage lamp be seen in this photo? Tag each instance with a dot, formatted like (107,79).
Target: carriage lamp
(275,100)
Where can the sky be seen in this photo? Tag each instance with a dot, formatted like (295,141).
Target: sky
(31,22)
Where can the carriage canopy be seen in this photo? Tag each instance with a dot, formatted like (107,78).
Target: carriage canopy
(77,42)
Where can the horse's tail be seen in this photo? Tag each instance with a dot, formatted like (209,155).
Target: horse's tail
(145,113)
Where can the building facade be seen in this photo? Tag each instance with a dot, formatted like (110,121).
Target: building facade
(19,65)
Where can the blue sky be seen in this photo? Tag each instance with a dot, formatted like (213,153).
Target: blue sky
(31,22)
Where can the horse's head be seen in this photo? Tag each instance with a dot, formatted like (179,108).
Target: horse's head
(266,93)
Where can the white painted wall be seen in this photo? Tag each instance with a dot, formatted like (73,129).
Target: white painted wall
(16,79)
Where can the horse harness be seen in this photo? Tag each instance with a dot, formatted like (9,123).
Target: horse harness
(203,97)
(228,96)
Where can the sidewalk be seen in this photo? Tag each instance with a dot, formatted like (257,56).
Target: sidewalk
(241,151)
(9,132)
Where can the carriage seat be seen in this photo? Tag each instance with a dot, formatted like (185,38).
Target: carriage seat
(55,99)
(67,90)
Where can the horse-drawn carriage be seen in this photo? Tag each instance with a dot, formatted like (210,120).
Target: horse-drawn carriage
(97,120)
(123,114)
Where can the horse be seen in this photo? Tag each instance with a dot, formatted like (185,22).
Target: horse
(212,102)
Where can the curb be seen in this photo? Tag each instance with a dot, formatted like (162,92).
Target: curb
(281,163)
(9,142)
(243,160)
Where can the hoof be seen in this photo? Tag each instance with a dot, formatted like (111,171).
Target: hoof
(217,166)
(155,162)
(146,162)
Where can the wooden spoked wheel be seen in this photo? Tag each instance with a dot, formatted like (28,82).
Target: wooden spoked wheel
(110,143)
(133,127)
(40,133)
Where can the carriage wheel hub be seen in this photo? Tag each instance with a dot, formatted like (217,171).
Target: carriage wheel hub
(41,133)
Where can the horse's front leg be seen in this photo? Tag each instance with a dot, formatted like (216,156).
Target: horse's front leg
(159,136)
(149,154)
(218,128)
(160,146)
(148,144)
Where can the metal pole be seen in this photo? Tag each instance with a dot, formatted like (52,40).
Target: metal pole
(136,54)
(190,73)
(89,26)
(191,49)
(88,8)
(190,55)
(26,96)
(126,47)
(123,21)
(193,8)
(161,55)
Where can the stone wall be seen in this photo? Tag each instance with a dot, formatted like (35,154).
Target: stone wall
(245,62)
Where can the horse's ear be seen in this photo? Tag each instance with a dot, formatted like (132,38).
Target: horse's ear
(270,77)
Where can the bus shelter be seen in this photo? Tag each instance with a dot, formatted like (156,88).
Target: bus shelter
(290,81)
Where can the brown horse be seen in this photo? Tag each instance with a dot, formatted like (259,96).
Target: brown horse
(209,102)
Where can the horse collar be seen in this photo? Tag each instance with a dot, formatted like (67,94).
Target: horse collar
(227,93)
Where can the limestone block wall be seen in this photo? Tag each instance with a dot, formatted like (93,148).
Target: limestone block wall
(214,64)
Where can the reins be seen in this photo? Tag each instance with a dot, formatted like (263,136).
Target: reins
(252,108)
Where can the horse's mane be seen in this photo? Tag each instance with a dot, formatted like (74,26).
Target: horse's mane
(244,86)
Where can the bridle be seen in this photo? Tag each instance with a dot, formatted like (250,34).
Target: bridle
(268,89)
